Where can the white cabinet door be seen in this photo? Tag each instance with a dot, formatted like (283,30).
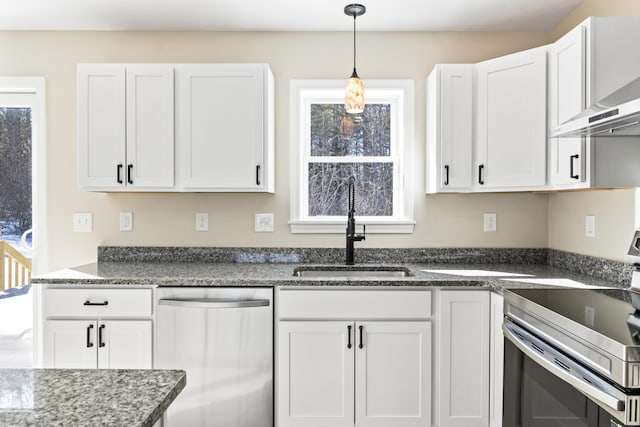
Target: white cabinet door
(450,128)
(124,344)
(463,359)
(70,344)
(150,147)
(511,125)
(224,127)
(567,73)
(393,374)
(315,373)
(125,127)
(101,125)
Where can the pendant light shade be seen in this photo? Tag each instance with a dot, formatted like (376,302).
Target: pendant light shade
(354,90)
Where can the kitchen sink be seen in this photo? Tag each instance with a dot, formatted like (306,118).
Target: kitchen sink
(351,271)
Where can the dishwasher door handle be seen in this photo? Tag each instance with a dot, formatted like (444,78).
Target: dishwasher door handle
(213,303)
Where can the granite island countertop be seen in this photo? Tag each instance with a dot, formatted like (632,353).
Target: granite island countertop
(86,397)
(497,276)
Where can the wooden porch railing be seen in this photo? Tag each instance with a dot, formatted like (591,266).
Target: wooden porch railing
(15,268)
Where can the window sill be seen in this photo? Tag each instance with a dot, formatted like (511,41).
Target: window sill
(336,227)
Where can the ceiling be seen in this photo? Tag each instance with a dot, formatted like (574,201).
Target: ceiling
(283,15)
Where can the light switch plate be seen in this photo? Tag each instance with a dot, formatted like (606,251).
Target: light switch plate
(126,221)
(264,223)
(590,226)
(82,222)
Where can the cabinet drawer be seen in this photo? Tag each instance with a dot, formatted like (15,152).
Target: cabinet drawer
(354,304)
(96,302)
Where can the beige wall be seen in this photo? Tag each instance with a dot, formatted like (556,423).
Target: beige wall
(614,209)
(168,219)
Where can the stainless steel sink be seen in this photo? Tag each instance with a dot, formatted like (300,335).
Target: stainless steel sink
(350,271)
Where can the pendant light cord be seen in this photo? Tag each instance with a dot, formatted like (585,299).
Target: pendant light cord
(354,43)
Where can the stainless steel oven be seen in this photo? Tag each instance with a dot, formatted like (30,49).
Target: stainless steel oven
(572,358)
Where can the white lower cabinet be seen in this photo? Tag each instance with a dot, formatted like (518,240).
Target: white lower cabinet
(90,344)
(462,358)
(97,327)
(352,372)
(316,372)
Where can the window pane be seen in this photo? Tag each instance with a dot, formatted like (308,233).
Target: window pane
(328,185)
(336,133)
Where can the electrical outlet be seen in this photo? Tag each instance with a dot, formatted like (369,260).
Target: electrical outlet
(590,226)
(126,221)
(202,221)
(490,222)
(82,222)
(264,223)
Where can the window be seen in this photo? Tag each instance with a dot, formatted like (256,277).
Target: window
(330,146)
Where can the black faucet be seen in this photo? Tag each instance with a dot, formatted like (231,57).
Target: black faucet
(351,223)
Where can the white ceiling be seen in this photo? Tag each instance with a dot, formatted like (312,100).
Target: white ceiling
(282,15)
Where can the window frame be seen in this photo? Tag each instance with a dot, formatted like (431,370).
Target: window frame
(398,93)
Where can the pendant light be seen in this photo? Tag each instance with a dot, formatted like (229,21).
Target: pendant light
(354,90)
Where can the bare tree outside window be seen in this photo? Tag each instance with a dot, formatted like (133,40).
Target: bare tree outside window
(344,145)
(15,170)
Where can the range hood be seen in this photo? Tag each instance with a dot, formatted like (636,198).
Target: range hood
(616,115)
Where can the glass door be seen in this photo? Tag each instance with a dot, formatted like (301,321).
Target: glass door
(16,229)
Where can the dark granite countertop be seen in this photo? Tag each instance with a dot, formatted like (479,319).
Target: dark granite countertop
(86,397)
(268,274)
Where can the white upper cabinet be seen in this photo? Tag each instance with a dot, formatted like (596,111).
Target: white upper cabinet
(486,125)
(567,99)
(511,121)
(590,62)
(223,139)
(125,127)
(224,120)
(450,128)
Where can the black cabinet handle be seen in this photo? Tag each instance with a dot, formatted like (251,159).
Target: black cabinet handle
(446,174)
(257,174)
(129,180)
(100,342)
(89,343)
(349,337)
(573,176)
(480,180)
(118,172)
(361,344)
(87,302)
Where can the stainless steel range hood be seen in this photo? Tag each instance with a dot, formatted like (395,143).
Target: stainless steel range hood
(616,115)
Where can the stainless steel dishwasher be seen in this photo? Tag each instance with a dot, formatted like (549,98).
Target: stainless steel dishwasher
(223,339)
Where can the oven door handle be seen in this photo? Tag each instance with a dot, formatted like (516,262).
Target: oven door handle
(563,367)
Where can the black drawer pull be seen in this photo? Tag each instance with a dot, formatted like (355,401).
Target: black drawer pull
(89,343)
(118,171)
(100,342)
(573,176)
(257,174)
(129,180)
(480,180)
(349,337)
(446,175)
(87,302)
(361,343)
